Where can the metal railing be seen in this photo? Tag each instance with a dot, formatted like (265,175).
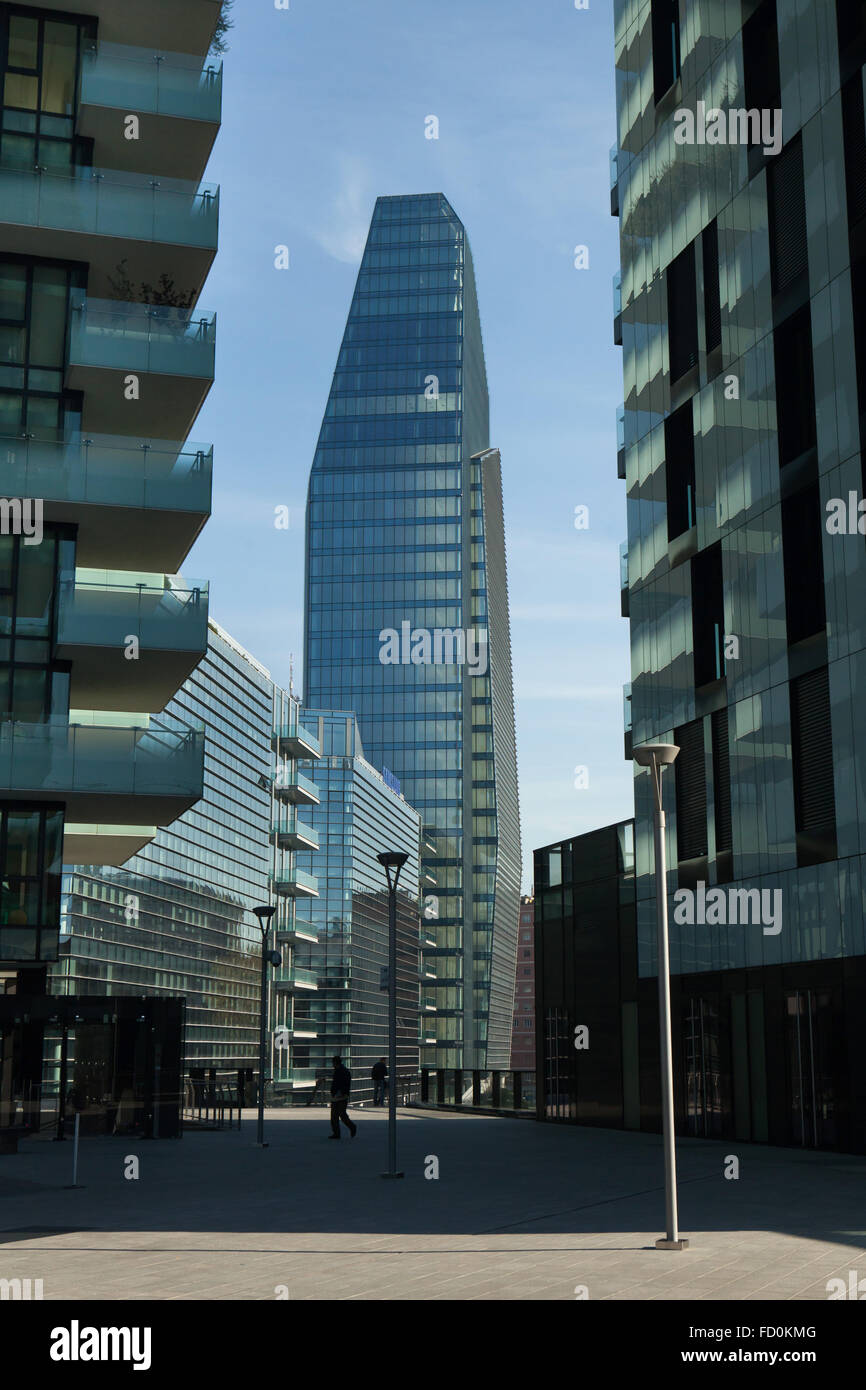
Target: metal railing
(510,1091)
(210,1106)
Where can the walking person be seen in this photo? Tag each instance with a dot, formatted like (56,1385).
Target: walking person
(341,1085)
(377,1075)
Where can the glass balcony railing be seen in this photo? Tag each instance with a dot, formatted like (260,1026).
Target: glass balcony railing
(294,883)
(295,787)
(294,834)
(101,608)
(141,337)
(304,979)
(110,204)
(109,470)
(163,84)
(161,758)
(294,741)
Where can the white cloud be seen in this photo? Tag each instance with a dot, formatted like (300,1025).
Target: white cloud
(344,235)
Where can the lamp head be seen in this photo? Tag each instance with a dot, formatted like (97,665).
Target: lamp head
(264,915)
(392,859)
(660,754)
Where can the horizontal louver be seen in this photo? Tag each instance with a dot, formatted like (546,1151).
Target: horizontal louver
(787,207)
(815,805)
(722,780)
(691,792)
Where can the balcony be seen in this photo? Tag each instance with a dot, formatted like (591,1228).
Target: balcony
(293,741)
(188,26)
(104,844)
(617,309)
(296,933)
(626,721)
(623,578)
(294,883)
(614,181)
(299,1027)
(296,979)
(136,502)
(110,339)
(100,610)
(102,218)
(105,773)
(620,441)
(292,786)
(297,1079)
(177,99)
(291,833)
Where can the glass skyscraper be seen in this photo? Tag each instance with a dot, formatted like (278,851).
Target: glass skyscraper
(406,600)
(742,317)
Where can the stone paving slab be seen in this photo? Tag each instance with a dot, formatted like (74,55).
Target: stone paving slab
(519,1211)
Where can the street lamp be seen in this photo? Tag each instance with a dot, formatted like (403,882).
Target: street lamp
(658,756)
(264,915)
(392,860)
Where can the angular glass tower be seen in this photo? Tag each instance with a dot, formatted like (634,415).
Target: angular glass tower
(405,544)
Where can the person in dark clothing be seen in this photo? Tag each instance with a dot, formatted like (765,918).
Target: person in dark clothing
(378,1074)
(341,1085)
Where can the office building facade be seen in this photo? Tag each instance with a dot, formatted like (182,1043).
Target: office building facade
(738,183)
(406,600)
(523,1023)
(588,1064)
(175,921)
(337,982)
(106,237)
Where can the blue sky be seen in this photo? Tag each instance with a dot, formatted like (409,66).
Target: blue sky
(324,109)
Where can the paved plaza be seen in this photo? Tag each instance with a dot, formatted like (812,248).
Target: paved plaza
(519,1211)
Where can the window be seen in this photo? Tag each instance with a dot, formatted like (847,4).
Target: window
(855,155)
(722,795)
(666,45)
(802,537)
(691,793)
(680,470)
(708,615)
(795,385)
(851,27)
(682,313)
(812,756)
(712,294)
(39,67)
(30,854)
(786,206)
(761,59)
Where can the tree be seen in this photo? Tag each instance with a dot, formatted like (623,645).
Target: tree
(223,24)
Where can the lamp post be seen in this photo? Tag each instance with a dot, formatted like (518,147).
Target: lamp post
(264,915)
(658,756)
(392,861)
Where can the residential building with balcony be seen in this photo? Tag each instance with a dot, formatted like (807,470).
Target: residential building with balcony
(108,112)
(332,990)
